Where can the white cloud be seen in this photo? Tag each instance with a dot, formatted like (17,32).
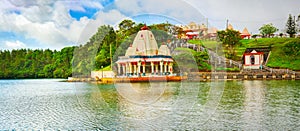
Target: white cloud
(14,44)
(112,17)
(247,13)
(240,13)
(49,22)
(178,9)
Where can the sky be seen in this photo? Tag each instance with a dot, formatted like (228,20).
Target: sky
(54,24)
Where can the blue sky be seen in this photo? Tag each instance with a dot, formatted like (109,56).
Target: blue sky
(55,24)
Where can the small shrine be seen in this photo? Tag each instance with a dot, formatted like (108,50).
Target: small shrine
(255,58)
(143,58)
(245,34)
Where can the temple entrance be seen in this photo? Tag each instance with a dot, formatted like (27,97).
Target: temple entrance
(252,59)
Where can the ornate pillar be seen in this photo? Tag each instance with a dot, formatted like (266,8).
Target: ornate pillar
(127,69)
(156,68)
(152,68)
(119,69)
(124,70)
(171,68)
(161,67)
(139,68)
(144,69)
(166,64)
(130,69)
(134,69)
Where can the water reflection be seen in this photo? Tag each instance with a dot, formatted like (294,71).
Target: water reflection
(241,105)
(283,105)
(144,104)
(162,105)
(141,93)
(253,105)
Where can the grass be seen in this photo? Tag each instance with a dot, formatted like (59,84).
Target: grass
(278,58)
(197,42)
(211,44)
(188,57)
(107,68)
(185,49)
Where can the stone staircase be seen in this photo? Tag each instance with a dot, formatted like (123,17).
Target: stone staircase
(221,61)
(214,58)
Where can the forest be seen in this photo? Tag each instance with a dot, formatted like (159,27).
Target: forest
(102,49)
(28,63)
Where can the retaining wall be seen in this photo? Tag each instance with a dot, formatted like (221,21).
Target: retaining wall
(241,76)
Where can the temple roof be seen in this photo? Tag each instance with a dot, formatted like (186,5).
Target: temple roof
(145,44)
(230,27)
(245,32)
(164,50)
(130,51)
(212,30)
(145,27)
(261,49)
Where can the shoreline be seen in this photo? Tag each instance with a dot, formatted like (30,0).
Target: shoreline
(206,77)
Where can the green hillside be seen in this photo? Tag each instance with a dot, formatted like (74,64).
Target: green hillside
(285,52)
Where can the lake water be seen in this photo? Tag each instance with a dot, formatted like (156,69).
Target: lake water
(232,105)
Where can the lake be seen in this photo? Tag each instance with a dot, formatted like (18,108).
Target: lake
(48,104)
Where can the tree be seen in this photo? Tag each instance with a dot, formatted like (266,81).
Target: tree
(267,30)
(27,63)
(126,25)
(230,39)
(291,26)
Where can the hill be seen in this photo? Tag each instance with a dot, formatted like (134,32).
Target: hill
(285,52)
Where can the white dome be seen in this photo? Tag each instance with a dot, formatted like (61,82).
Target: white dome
(145,43)
(164,50)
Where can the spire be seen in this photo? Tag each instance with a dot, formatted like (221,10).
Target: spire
(245,31)
(230,27)
(145,27)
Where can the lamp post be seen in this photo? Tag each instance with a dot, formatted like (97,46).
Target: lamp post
(102,72)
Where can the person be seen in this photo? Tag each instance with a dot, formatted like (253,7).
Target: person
(260,67)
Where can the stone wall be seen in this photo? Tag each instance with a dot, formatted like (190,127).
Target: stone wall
(106,74)
(196,76)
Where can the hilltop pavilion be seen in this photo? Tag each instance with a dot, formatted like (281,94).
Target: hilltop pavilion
(143,58)
(245,34)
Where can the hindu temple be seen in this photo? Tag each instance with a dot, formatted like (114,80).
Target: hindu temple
(144,59)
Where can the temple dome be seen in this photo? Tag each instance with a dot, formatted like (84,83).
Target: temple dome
(164,50)
(144,43)
(130,51)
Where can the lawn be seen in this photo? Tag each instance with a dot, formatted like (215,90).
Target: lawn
(107,68)
(211,44)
